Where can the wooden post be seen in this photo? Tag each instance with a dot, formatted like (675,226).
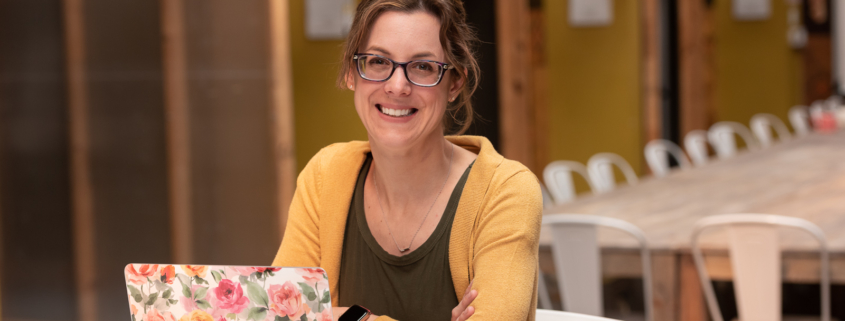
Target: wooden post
(540,90)
(652,88)
(81,189)
(282,108)
(838,35)
(513,32)
(692,306)
(178,129)
(695,25)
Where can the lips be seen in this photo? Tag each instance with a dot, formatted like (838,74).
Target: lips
(396,112)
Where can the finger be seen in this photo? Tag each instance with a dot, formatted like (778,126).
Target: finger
(468,299)
(465,301)
(467,313)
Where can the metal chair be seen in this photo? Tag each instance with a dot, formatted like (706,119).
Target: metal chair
(800,120)
(600,168)
(721,136)
(657,154)
(547,198)
(552,315)
(695,143)
(575,251)
(761,124)
(755,260)
(558,178)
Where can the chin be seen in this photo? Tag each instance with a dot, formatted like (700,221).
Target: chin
(396,139)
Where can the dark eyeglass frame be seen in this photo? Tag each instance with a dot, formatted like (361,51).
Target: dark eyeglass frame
(443,68)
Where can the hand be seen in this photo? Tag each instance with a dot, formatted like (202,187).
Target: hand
(338,311)
(463,311)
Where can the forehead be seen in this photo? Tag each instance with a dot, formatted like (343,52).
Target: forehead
(405,35)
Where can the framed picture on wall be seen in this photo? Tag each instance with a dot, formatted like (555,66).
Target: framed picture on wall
(590,13)
(751,10)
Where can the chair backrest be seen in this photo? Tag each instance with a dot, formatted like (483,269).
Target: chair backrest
(657,154)
(575,251)
(755,260)
(600,168)
(696,145)
(552,315)
(547,198)
(761,124)
(558,178)
(800,120)
(721,136)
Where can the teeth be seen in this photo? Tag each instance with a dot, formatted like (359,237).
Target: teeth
(395,112)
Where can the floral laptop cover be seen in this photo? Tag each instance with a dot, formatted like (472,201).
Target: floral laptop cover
(160,292)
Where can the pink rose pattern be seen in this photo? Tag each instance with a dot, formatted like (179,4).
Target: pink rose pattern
(286,300)
(230,296)
(158,293)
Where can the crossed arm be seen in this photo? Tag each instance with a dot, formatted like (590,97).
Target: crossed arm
(503,246)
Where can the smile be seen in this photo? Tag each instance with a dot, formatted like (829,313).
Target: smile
(396,112)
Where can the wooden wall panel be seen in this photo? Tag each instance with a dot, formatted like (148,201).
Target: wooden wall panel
(178,128)
(126,138)
(35,221)
(233,174)
(282,109)
(81,191)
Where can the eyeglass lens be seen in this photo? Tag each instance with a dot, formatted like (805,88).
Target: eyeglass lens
(424,73)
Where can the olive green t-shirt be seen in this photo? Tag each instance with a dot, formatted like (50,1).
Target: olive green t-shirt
(417,286)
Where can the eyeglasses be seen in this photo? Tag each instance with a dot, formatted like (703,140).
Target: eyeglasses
(423,73)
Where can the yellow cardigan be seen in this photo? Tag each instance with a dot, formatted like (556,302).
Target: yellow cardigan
(494,238)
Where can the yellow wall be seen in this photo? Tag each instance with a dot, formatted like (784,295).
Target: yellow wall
(756,70)
(594,85)
(323,113)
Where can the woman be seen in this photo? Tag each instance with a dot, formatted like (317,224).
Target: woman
(415,225)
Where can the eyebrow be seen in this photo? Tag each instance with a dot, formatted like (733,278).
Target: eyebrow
(425,54)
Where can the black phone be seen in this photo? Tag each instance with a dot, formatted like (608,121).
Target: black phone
(355,313)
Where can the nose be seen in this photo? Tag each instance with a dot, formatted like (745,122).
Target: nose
(398,84)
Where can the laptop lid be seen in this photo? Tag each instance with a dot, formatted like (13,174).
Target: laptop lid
(163,292)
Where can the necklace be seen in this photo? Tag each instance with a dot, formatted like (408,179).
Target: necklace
(375,184)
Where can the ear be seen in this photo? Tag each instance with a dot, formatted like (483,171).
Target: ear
(456,85)
(350,80)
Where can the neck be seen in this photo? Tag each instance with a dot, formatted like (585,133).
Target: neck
(411,175)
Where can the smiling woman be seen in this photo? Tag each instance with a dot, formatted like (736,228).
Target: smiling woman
(413,224)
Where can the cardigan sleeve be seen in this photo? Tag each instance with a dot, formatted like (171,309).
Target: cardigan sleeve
(301,242)
(504,264)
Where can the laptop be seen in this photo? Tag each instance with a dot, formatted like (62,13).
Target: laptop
(163,292)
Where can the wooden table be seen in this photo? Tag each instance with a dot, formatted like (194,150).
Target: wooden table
(804,177)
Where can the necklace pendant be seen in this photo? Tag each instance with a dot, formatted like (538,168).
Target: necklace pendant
(404,250)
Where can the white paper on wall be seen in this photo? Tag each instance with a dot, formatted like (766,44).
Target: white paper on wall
(328,19)
(590,13)
(752,10)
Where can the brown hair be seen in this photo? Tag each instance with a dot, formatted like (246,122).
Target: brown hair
(456,37)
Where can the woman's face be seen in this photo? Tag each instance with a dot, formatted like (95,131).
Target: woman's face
(417,112)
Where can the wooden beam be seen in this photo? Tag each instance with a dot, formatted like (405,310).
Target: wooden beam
(80,172)
(540,90)
(178,129)
(652,88)
(696,68)
(838,35)
(513,32)
(282,108)
(692,305)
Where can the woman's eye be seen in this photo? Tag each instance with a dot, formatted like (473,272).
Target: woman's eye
(424,67)
(379,61)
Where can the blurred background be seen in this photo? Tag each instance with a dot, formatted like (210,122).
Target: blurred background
(173,130)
